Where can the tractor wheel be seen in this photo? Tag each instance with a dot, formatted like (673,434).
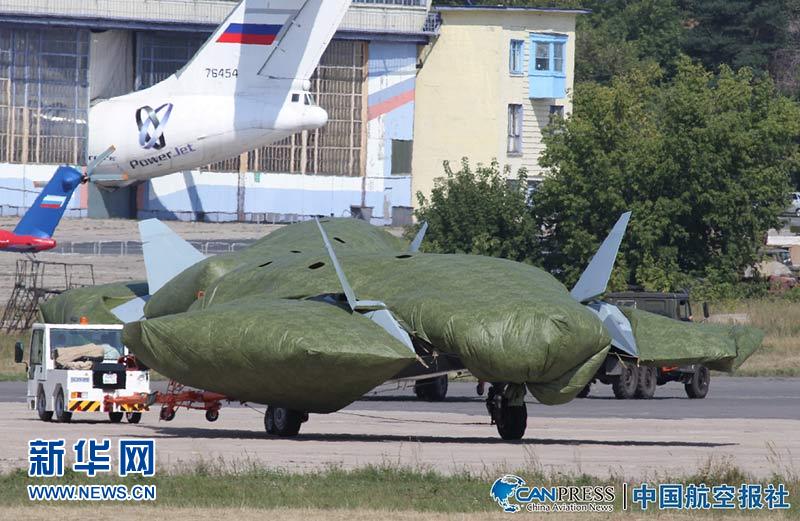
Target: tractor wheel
(624,385)
(697,388)
(62,415)
(648,379)
(41,406)
(116,417)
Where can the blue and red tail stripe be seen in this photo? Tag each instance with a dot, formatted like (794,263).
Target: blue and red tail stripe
(250,34)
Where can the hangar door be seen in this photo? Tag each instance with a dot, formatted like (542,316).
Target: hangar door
(339,85)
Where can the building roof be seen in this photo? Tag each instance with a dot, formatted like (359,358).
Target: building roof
(504,8)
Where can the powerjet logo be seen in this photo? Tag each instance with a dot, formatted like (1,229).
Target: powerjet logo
(152,124)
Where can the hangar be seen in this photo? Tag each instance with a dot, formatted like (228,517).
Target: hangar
(57,57)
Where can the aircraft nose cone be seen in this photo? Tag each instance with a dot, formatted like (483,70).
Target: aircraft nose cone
(315,117)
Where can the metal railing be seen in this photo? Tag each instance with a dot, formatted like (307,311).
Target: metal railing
(392,16)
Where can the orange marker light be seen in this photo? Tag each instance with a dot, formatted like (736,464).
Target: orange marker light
(84,321)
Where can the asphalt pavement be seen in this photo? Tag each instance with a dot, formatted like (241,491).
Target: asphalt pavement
(728,398)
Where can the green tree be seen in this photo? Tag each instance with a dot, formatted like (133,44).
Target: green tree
(702,160)
(479,212)
(738,33)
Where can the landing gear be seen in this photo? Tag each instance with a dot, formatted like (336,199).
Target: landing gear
(167,414)
(648,379)
(697,387)
(212,415)
(625,384)
(283,422)
(506,406)
(432,389)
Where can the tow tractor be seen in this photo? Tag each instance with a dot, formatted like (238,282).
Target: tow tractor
(76,368)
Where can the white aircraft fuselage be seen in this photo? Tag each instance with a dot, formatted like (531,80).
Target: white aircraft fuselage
(247,87)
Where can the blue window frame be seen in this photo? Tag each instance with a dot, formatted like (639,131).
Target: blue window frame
(515,58)
(547,75)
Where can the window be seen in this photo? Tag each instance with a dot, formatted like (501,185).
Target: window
(548,67)
(515,56)
(514,129)
(44,95)
(295,98)
(401,156)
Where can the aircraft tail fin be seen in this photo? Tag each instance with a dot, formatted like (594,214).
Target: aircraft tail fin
(166,254)
(594,280)
(47,210)
(264,39)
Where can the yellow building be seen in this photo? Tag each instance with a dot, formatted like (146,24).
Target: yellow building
(489,85)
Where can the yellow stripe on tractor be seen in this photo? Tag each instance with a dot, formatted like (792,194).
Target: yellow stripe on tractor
(135,407)
(84,406)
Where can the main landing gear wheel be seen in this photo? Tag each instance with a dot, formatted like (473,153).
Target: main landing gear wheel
(283,422)
(62,415)
(115,417)
(432,389)
(648,379)
(624,386)
(41,406)
(511,420)
(133,417)
(697,387)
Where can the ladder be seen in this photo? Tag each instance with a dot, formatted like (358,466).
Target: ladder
(34,282)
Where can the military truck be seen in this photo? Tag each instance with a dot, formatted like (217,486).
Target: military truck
(627,377)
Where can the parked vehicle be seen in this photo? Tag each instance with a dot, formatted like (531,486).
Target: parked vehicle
(631,380)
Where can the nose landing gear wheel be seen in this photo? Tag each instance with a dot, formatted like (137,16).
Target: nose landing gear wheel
(212,415)
(511,420)
(283,422)
(167,414)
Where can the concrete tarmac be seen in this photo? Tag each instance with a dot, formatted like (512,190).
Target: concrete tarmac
(750,423)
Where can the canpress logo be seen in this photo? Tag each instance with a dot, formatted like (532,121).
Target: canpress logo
(152,124)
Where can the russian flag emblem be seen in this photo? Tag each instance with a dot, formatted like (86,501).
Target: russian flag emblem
(250,34)
(53,201)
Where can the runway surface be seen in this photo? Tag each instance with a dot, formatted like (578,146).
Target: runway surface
(747,398)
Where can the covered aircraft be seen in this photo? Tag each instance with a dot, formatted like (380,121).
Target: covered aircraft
(34,233)
(314,315)
(247,87)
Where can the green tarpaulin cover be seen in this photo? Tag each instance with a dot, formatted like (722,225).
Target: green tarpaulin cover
(259,325)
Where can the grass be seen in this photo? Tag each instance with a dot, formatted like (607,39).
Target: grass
(383,489)
(9,370)
(780,320)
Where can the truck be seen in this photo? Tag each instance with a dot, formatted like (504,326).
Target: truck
(631,380)
(77,368)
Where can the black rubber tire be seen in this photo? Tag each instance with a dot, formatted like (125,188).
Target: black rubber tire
(646,386)
(624,386)
(133,417)
(61,413)
(432,389)
(513,422)
(283,422)
(585,391)
(697,388)
(116,417)
(167,414)
(41,406)
(212,415)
